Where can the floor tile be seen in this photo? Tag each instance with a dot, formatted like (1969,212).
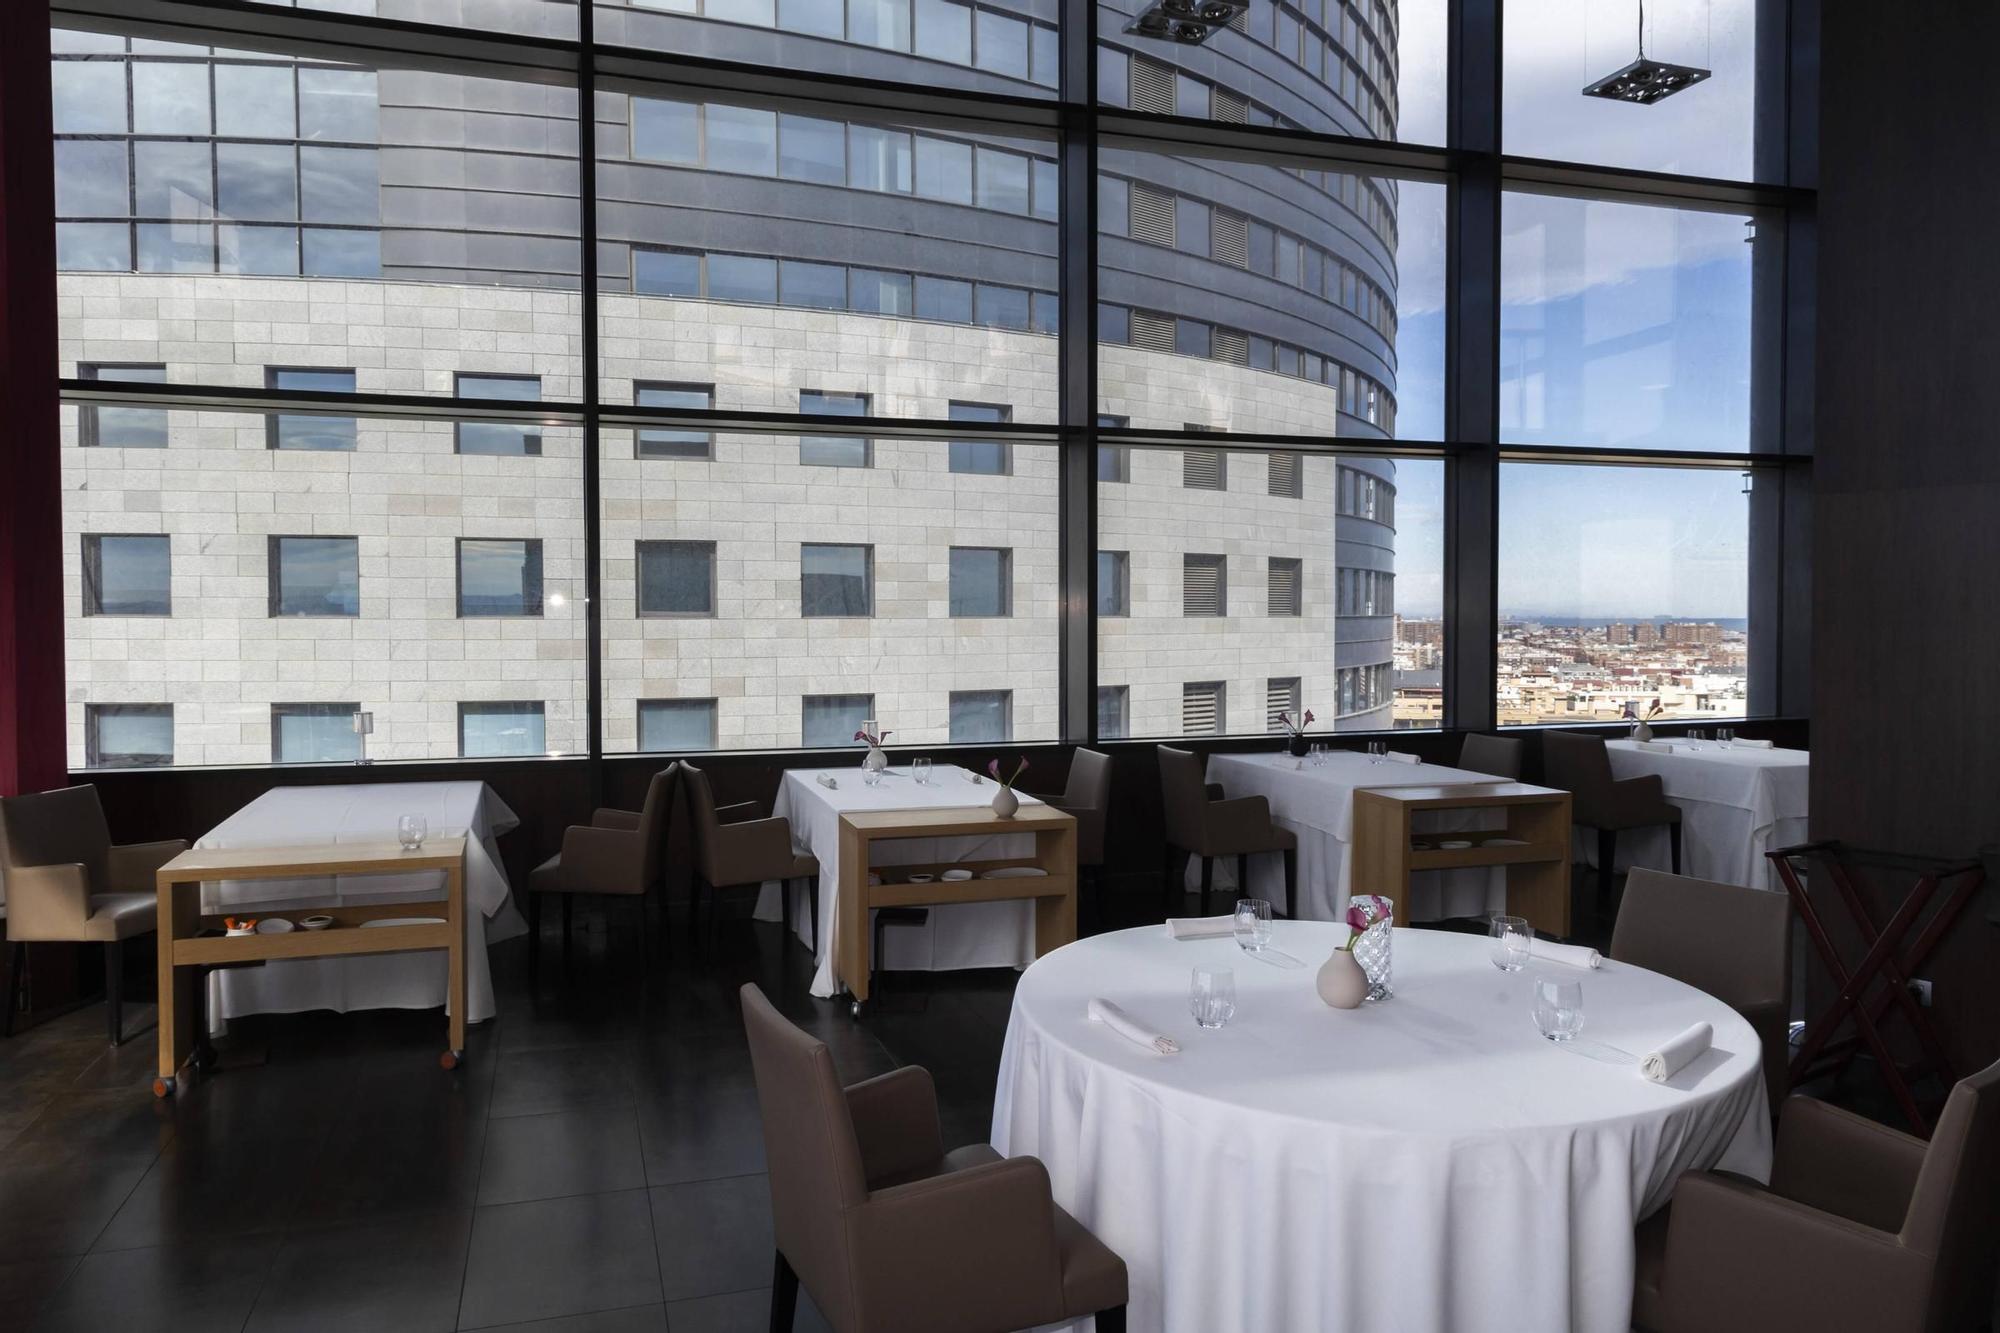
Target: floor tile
(696,1135)
(395,1273)
(535,1081)
(714,1236)
(590,1151)
(560,1257)
(740,1312)
(195,1288)
(24,1286)
(635,1319)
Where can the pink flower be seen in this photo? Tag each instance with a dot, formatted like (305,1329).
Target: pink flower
(1310,719)
(993,767)
(1357,918)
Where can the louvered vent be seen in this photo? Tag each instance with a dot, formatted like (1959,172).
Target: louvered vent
(1284,597)
(1201,708)
(1152,331)
(1152,86)
(1287,475)
(1201,585)
(1239,22)
(1152,215)
(1202,470)
(1229,238)
(1232,346)
(1280,696)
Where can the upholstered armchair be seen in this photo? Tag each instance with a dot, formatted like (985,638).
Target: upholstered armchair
(888,1231)
(744,853)
(1201,823)
(67,883)
(1086,797)
(618,854)
(1579,765)
(1497,755)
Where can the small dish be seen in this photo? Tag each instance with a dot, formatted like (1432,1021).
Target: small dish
(957,874)
(921,878)
(1453,844)
(315,922)
(239,925)
(1015,872)
(274,925)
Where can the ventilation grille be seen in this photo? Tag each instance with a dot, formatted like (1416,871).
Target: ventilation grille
(1201,585)
(1202,470)
(1287,477)
(1152,215)
(1224,104)
(1232,346)
(1284,596)
(1229,238)
(1280,696)
(1201,708)
(1153,332)
(1152,86)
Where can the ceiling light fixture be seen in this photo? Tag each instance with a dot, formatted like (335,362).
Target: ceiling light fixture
(1645,81)
(1188,22)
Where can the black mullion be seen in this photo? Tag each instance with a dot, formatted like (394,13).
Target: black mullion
(1076,231)
(586,203)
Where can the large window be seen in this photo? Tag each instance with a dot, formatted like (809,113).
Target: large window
(676,724)
(834,450)
(123,427)
(495,730)
(832,719)
(127,575)
(314,734)
(318,432)
(982,581)
(128,735)
(981,715)
(315,576)
(499,576)
(492,437)
(676,578)
(836,580)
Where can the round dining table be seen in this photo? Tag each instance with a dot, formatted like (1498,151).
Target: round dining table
(1424,1163)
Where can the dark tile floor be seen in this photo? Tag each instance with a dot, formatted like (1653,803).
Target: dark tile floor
(595,1167)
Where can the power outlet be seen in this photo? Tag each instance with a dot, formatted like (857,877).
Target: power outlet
(1921,988)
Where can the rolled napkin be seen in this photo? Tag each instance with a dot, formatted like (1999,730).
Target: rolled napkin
(1743,744)
(1672,1056)
(1576,955)
(1200,927)
(826,781)
(1401,758)
(1130,1028)
(1662,746)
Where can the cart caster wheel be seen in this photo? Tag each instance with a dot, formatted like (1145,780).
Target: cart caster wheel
(450,1059)
(163,1087)
(856,1009)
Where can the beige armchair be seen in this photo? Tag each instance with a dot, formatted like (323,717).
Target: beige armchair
(619,854)
(1499,756)
(1579,765)
(67,883)
(1086,796)
(888,1231)
(1200,823)
(1732,942)
(1863,1228)
(743,854)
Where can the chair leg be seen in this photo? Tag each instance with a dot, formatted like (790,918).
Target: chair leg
(784,1295)
(1112,1320)
(114,990)
(784,913)
(1207,882)
(1607,860)
(1674,843)
(17,974)
(534,935)
(1291,884)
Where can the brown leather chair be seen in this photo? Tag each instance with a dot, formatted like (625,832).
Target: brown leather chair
(67,883)
(619,854)
(1732,942)
(1201,823)
(1086,796)
(888,1231)
(1863,1228)
(1579,764)
(743,854)
(1498,755)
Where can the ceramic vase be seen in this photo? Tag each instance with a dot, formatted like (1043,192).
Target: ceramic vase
(1341,982)
(1641,732)
(1296,747)
(1005,803)
(875,760)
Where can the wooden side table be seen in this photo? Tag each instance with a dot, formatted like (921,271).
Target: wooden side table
(1537,872)
(1054,893)
(189,939)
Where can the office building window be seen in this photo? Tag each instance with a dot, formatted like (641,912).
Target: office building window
(1202,708)
(297,430)
(981,457)
(981,715)
(314,734)
(835,450)
(1114,709)
(836,579)
(1204,469)
(1281,696)
(127,575)
(676,578)
(497,437)
(315,576)
(832,719)
(497,730)
(667,725)
(122,427)
(664,442)
(128,735)
(1204,585)
(982,581)
(1114,461)
(1286,593)
(1114,583)
(499,577)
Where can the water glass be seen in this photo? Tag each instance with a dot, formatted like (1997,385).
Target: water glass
(1513,938)
(1316,754)
(1558,1008)
(1377,751)
(411,830)
(920,769)
(1726,735)
(1253,924)
(1212,996)
(871,777)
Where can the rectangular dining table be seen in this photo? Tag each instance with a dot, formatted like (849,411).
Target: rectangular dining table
(1737,802)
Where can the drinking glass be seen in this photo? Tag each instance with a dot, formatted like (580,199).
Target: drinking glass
(1377,751)
(1253,924)
(1316,754)
(1212,996)
(1726,735)
(1558,1008)
(871,777)
(920,769)
(411,830)
(1513,938)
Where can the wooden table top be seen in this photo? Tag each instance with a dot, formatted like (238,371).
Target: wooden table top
(309,859)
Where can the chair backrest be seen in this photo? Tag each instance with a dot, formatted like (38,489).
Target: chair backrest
(57,828)
(654,816)
(1088,797)
(1183,796)
(701,817)
(1579,765)
(810,1152)
(1497,755)
(1955,1208)
(1732,942)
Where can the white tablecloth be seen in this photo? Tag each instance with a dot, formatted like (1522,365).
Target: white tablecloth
(1317,805)
(956,936)
(1424,1164)
(1736,804)
(364,812)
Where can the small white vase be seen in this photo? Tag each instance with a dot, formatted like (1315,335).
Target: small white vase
(1641,732)
(875,760)
(1005,803)
(1341,982)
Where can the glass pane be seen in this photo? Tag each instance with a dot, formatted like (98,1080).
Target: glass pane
(1353,516)
(741,139)
(835,581)
(499,578)
(811,149)
(339,185)
(1556,49)
(981,715)
(127,576)
(1630,326)
(169,98)
(676,578)
(1604,604)
(944,31)
(883,23)
(832,719)
(256,101)
(819,18)
(338,105)
(91,178)
(89,96)
(664,130)
(499,437)
(273,251)
(655,442)
(676,724)
(311,431)
(257,182)
(174,247)
(88,247)
(315,576)
(342,254)
(742,278)
(981,581)
(314,734)
(129,735)
(173,180)
(497,730)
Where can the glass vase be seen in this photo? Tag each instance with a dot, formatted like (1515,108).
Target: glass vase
(1371,948)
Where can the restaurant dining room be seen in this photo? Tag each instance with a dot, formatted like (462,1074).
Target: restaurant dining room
(948,666)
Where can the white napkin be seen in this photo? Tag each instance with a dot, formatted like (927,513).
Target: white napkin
(1576,955)
(1661,746)
(1130,1028)
(1740,743)
(826,781)
(1200,927)
(1662,1064)
(1399,757)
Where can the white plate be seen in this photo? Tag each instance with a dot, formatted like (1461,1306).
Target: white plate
(403,921)
(1453,844)
(1015,872)
(956,875)
(274,925)
(921,879)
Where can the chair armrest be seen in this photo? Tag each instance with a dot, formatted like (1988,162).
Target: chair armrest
(135,865)
(982,1239)
(1845,1164)
(1741,1257)
(601,860)
(752,850)
(738,809)
(1245,816)
(48,902)
(896,1123)
(617,819)
(1212,790)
